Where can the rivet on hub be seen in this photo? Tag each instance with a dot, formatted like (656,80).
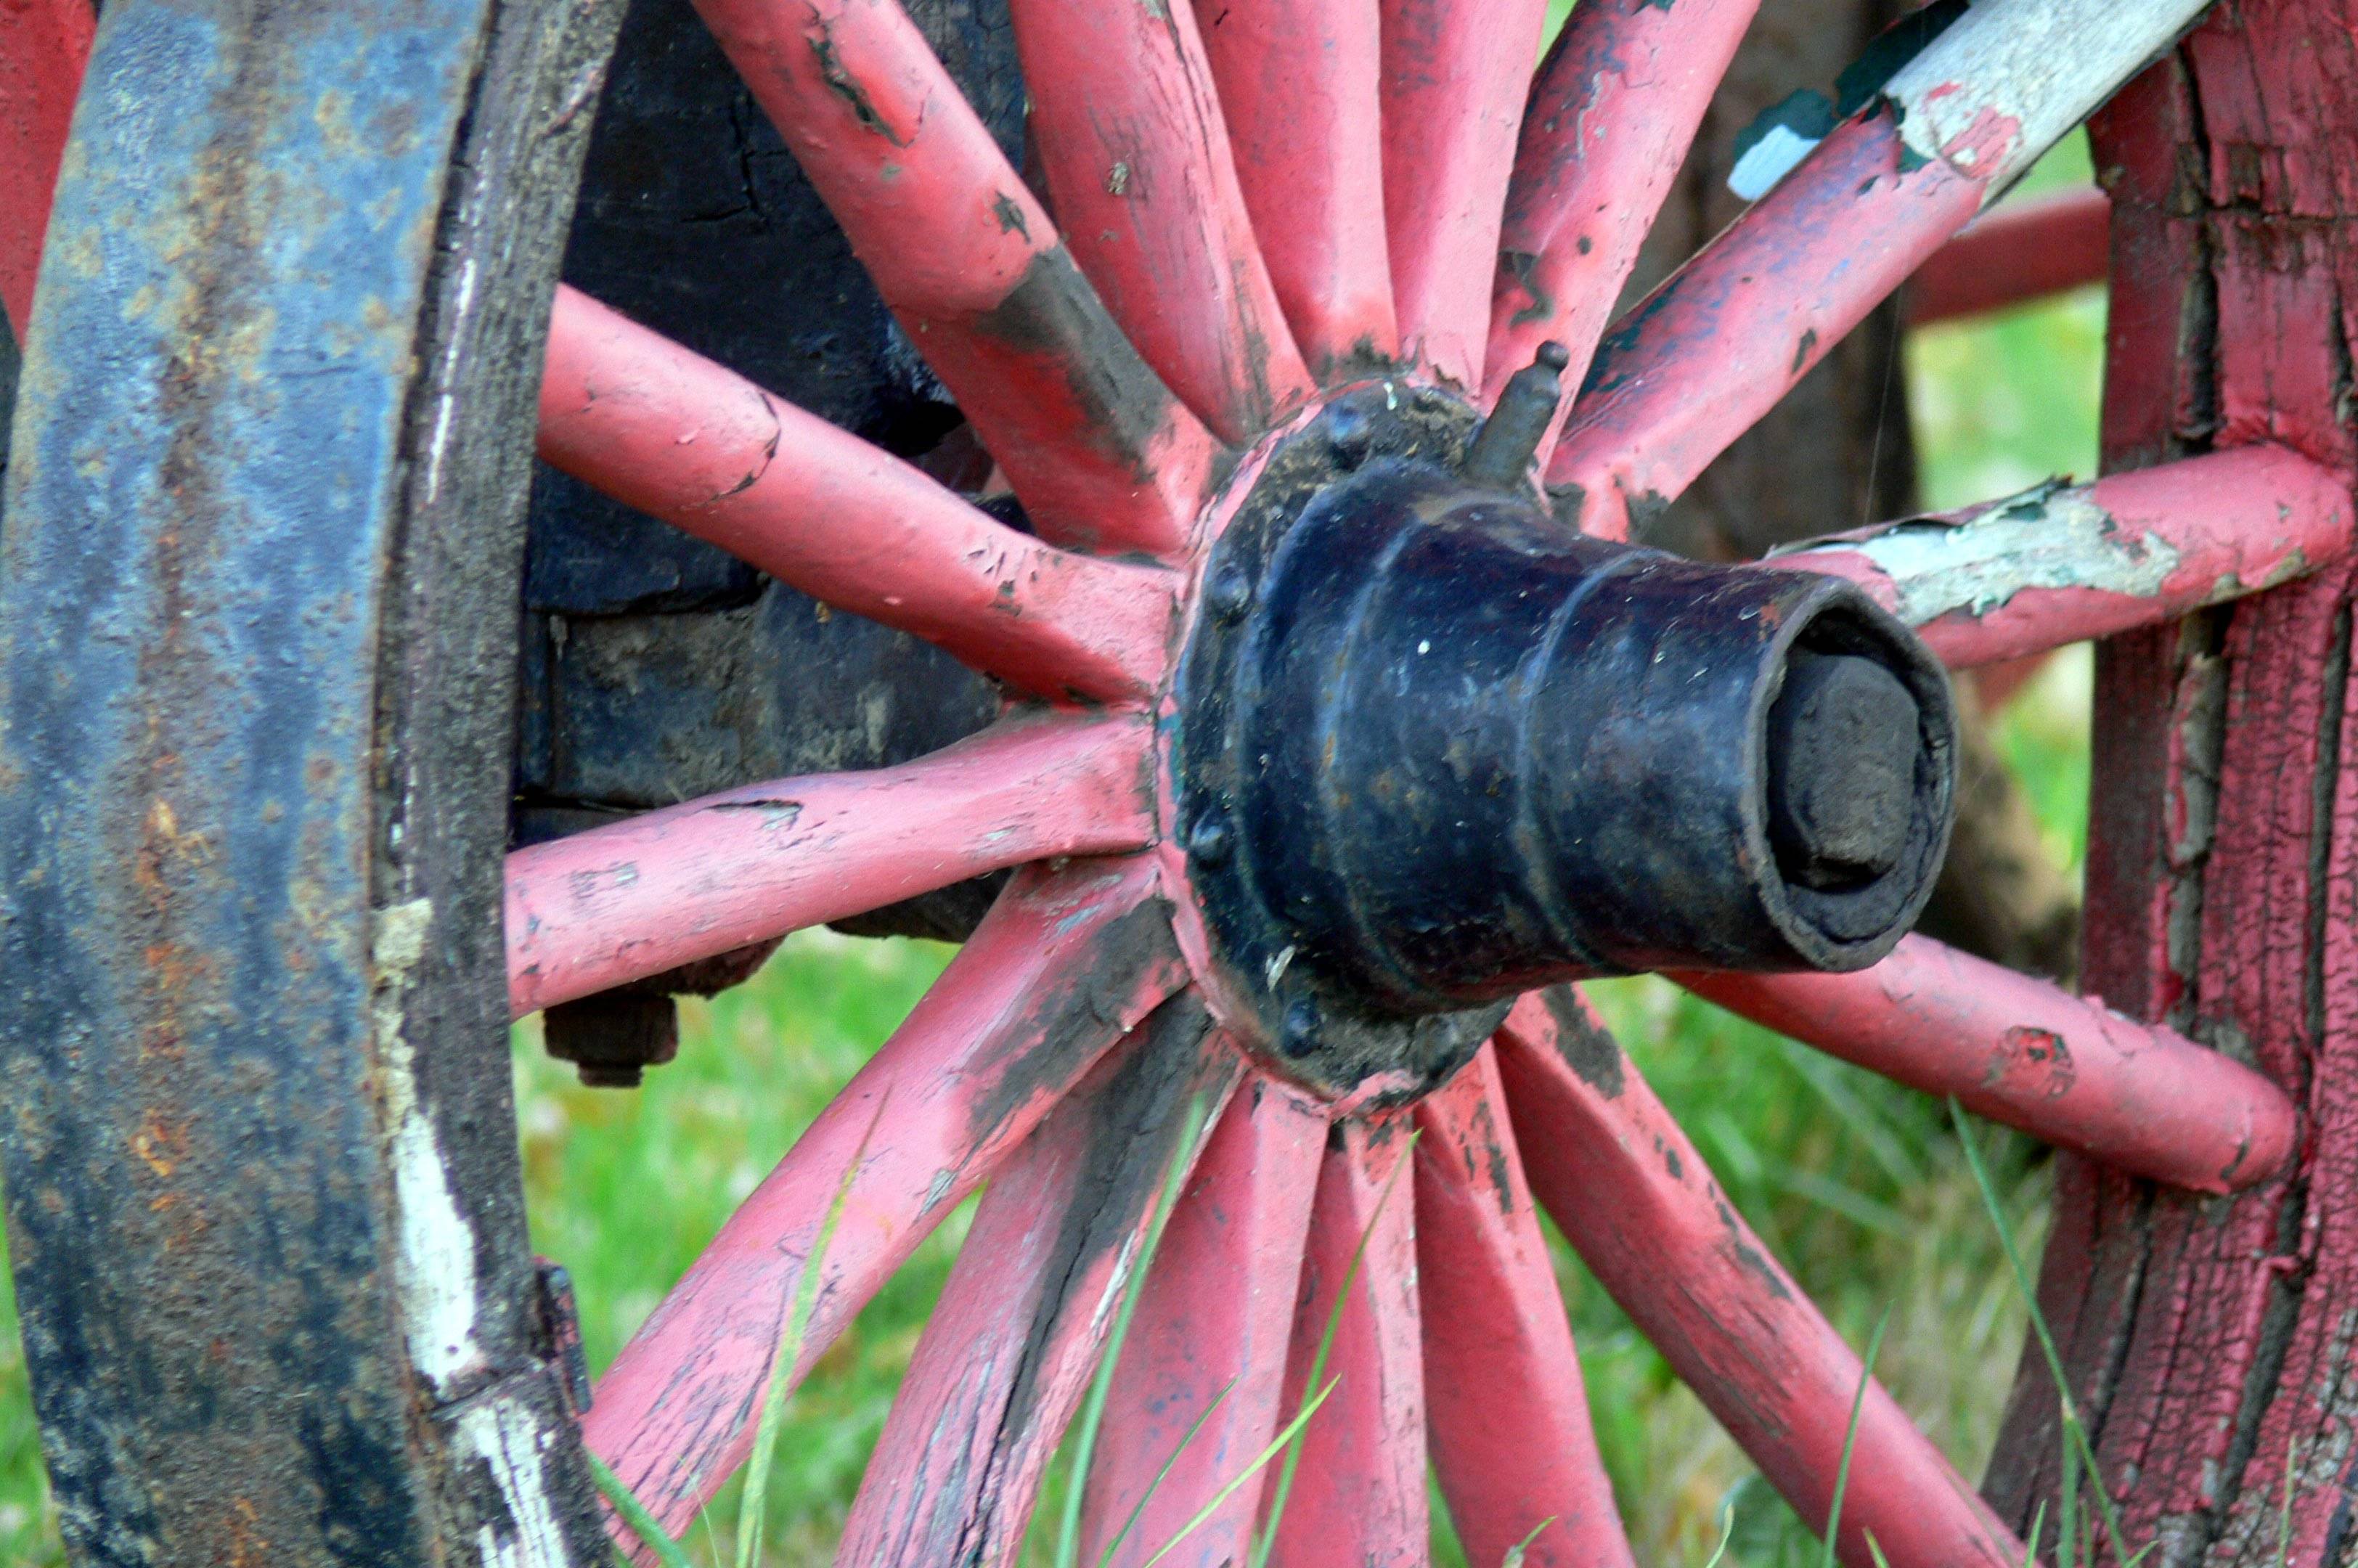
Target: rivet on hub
(1209,840)
(1229,592)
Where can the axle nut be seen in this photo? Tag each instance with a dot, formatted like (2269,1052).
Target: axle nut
(1842,770)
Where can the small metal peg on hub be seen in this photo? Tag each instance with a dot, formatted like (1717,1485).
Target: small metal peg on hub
(1510,439)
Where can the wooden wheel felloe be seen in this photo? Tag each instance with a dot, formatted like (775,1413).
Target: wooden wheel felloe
(1341,736)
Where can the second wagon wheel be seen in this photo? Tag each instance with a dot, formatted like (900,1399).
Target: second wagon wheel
(1340,736)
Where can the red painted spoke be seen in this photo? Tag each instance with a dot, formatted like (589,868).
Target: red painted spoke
(592,911)
(1209,1334)
(1097,447)
(1017,1334)
(1065,964)
(1358,1494)
(1136,152)
(666,430)
(2030,1055)
(1611,115)
(2021,252)
(1511,1439)
(44,44)
(1455,80)
(2037,571)
(1717,344)
(1635,1200)
(1299,82)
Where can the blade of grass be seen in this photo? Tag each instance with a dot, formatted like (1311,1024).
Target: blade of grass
(1727,1534)
(1850,1436)
(753,1507)
(1293,1430)
(1325,1346)
(2076,1435)
(1085,1434)
(2068,1525)
(1514,1557)
(2284,1520)
(634,1513)
(1106,1558)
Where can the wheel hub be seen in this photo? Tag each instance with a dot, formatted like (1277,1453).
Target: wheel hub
(1436,750)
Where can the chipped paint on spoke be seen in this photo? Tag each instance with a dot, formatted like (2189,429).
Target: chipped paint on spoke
(2045,537)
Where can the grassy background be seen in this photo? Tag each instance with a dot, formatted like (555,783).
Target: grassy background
(1857,1185)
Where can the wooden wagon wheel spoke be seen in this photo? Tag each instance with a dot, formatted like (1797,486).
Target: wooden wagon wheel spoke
(1065,964)
(1612,112)
(1639,1206)
(2019,252)
(666,430)
(1011,1345)
(1455,78)
(1136,154)
(1096,445)
(1357,1495)
(43,45)
(1765,300)
(1511,1440)
(2063,564)
(600,908)
(1299,83)
(1207,1343)
(2029,1053)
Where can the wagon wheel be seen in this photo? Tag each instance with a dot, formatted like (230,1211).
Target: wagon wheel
(1332,753)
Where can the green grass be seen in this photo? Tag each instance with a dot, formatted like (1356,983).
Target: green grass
(1860,1187)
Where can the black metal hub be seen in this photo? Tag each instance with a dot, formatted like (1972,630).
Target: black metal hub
(1435,749)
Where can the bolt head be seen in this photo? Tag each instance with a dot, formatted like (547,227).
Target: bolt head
(1229,592)
(1297,1036)
(1209,840)
(1350,434)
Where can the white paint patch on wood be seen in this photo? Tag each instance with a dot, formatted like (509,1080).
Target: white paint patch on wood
(2045,64)
(434,1265)
(2043,538)
(509,1441)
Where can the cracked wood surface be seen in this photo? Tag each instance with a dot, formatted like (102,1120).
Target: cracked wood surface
(2208,1341)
